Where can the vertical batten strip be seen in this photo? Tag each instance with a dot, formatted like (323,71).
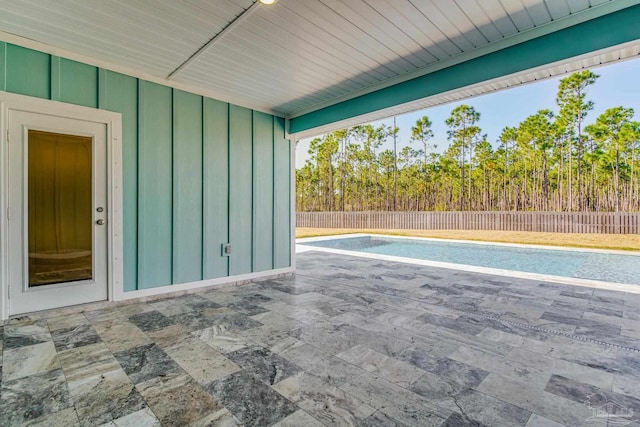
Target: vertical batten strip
(228,259)
(273,189)
(252,192)
(171,191)
(102,89)
(273,192)
(54,85)
(203,235)
(3,66)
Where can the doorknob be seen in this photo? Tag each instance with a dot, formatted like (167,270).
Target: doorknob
(100,222)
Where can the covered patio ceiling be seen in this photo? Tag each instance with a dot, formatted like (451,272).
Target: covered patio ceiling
(331,63)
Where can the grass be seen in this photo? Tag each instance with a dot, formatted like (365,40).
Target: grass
(624,242)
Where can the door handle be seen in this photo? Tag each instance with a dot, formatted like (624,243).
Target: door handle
(100,222)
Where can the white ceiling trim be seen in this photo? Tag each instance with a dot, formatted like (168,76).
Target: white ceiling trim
(535,32)
(64,53)
(591,60)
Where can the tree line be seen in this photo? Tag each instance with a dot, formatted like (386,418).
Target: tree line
(548,162)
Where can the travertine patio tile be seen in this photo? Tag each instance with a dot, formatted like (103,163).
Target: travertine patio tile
(522,394)
(67,321)
(176,399)
(29,360)
(170,336)
(539,421)
(120,335)
(221,339)
(347,341)
(393,370)
(297,419)
(323,401)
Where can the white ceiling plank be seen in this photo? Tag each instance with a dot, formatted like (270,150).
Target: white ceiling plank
(384,32)
(220,9)
(147,62)
(276,57)
(461,22)
(518,14)
(402,15)
(236,85)
(314,54)
(537,11)
(89,43)
(262,67)
(430,11)
(255,65)
(432,38)
(75,22)
(250,79)
(293,56)
(558,8)
(499,17)
(345,30)
(480,18)
(578,5)
(317,37)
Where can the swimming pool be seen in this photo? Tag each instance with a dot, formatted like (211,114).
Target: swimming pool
(593,265)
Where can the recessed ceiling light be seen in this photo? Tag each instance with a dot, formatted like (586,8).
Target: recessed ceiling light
(268,1)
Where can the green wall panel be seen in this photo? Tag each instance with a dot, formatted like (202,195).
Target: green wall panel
(215,224)
(187,187)
(78,83)
(119,93)
(281,200)
(28,72)
(240,189)
(262,192)
(189,176)
(155,190)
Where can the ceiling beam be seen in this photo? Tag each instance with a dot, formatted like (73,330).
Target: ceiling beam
(215,39)
(584,37)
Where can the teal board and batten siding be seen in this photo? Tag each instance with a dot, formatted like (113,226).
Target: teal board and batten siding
(197,172)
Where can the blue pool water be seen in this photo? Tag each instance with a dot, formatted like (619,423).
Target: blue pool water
(606,267)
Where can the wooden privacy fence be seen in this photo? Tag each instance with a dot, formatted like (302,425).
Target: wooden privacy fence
(553,222)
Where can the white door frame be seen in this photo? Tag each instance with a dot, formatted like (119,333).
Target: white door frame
(113,122)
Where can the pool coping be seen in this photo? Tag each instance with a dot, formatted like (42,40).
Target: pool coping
(596,284)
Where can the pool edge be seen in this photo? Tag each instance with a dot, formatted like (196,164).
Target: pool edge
(594,284)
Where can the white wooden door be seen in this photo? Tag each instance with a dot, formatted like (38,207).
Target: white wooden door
(57,211)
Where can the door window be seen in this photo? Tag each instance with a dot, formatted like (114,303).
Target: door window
(59,204)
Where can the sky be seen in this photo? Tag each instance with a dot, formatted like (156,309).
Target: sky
(617,86)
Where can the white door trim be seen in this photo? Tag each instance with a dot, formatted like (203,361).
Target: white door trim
(113,122)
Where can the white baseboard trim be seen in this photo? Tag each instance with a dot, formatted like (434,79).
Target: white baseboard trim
(220,282)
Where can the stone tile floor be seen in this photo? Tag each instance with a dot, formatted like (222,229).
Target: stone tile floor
(348,341)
